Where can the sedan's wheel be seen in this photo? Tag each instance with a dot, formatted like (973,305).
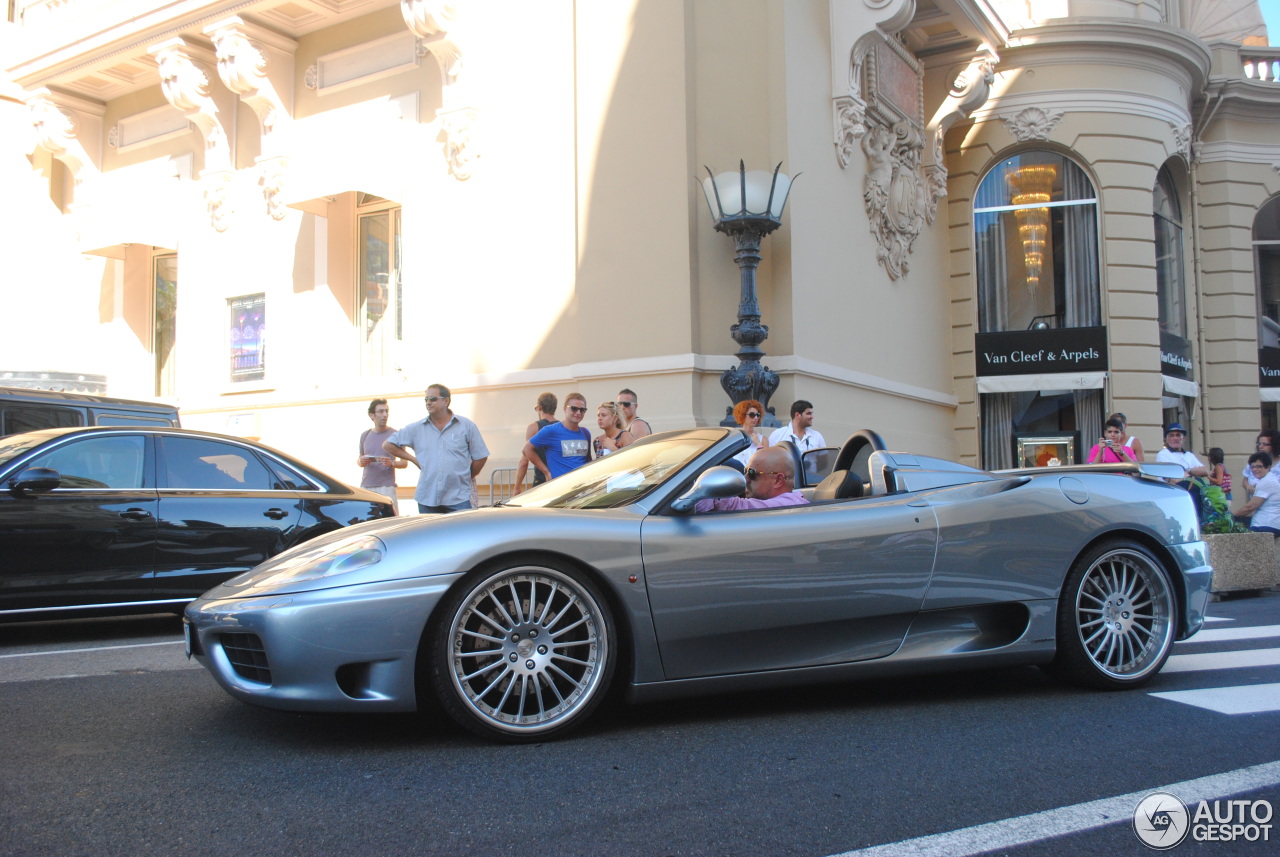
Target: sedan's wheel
(1115,618)
(523,653)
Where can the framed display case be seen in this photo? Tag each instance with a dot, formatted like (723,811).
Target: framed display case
(1038,449)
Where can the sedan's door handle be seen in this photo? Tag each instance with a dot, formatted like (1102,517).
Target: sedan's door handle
(135,514)
(276,514)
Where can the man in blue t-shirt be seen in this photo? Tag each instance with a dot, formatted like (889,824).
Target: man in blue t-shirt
(562,446)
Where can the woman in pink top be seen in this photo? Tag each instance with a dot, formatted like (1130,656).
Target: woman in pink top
(1111,449)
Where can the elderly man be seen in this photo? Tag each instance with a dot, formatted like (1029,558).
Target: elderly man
(770,484)
(449,452)
(1173,453)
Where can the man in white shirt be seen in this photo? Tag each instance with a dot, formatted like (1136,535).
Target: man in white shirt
(800,430)
(1173,453)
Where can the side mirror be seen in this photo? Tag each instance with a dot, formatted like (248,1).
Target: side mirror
(34,480)
(720,481)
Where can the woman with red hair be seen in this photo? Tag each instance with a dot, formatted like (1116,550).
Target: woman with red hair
(749,413)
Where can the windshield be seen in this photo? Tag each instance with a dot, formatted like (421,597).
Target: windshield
(16,444)
(616,479)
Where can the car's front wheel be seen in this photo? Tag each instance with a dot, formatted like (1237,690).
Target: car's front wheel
(1115,618)
(523,652)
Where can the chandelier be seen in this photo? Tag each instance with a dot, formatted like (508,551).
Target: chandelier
(1032,185)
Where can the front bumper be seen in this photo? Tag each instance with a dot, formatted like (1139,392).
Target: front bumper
(348,648)
(1197,575)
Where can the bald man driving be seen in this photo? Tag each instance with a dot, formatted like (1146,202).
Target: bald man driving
(770,484)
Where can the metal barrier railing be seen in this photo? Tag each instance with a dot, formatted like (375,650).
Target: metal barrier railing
(502,485)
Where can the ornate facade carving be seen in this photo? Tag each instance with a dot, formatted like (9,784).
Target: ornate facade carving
(55,128)
(217,196)
(242,65)
(271,179)
(1033,123)
(186,86)
(1182,135)
(969,91)
(884,110)
(311,78)
(850,112)
(435,23)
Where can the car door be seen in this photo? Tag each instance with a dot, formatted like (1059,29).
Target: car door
(89,541)
(221,513)
(781,588)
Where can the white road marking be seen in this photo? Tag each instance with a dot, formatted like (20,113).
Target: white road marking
(94,649)
(1254,632)
(1067,820)
(1246,699)
(1222,660)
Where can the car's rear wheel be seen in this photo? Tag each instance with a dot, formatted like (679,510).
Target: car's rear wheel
(523,652)
(1115,618)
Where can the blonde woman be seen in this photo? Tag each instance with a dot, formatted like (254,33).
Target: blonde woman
(611,438)
(748,414)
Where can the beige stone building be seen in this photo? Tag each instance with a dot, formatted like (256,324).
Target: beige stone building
(1010,218)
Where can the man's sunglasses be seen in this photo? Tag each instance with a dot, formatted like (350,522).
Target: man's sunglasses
(626,404)
(751,473)
(432,399)
(575,409)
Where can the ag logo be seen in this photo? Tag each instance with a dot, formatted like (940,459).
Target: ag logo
(1161,821)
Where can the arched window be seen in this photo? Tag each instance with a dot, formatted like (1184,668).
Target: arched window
(1036,253)
(1180,390)
(1170,288)
(1266,272)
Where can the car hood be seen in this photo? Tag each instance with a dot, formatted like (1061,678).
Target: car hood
(449,544)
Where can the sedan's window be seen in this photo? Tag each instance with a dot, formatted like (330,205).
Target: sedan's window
(98,462)
(197,464)
(616,479)
(288,478)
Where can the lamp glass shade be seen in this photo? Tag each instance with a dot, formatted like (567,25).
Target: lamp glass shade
(758,184)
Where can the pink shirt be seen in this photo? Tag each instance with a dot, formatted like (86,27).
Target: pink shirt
(733,504)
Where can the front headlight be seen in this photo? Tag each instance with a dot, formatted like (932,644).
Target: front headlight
(327,560)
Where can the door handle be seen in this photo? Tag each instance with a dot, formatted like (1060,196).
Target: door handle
(276,514)
(135,514)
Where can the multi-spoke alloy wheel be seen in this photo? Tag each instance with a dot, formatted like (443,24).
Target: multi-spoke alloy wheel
(523,652)
(1115,618)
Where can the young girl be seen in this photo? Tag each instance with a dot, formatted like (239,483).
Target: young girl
(1218,473)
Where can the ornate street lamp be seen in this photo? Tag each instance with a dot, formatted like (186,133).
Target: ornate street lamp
(748,206)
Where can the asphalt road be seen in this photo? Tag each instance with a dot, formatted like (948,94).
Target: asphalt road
(114,744)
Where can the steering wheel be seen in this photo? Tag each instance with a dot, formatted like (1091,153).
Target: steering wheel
(856,453)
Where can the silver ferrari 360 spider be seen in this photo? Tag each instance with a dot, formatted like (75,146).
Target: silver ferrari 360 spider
(520,619)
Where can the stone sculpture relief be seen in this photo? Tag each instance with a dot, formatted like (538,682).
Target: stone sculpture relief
(1033,123)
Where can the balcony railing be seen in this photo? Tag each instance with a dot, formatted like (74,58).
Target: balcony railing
(1261,63)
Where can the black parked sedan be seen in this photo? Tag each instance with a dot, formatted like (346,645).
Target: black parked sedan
(129,520)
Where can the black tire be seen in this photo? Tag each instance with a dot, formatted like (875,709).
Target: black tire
(523,652)
(1116,622)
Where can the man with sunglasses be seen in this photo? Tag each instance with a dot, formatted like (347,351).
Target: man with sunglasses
(448,450)
(770,484)
(562,446)
(627,404)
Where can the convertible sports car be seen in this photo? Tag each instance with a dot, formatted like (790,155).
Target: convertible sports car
(520,619)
